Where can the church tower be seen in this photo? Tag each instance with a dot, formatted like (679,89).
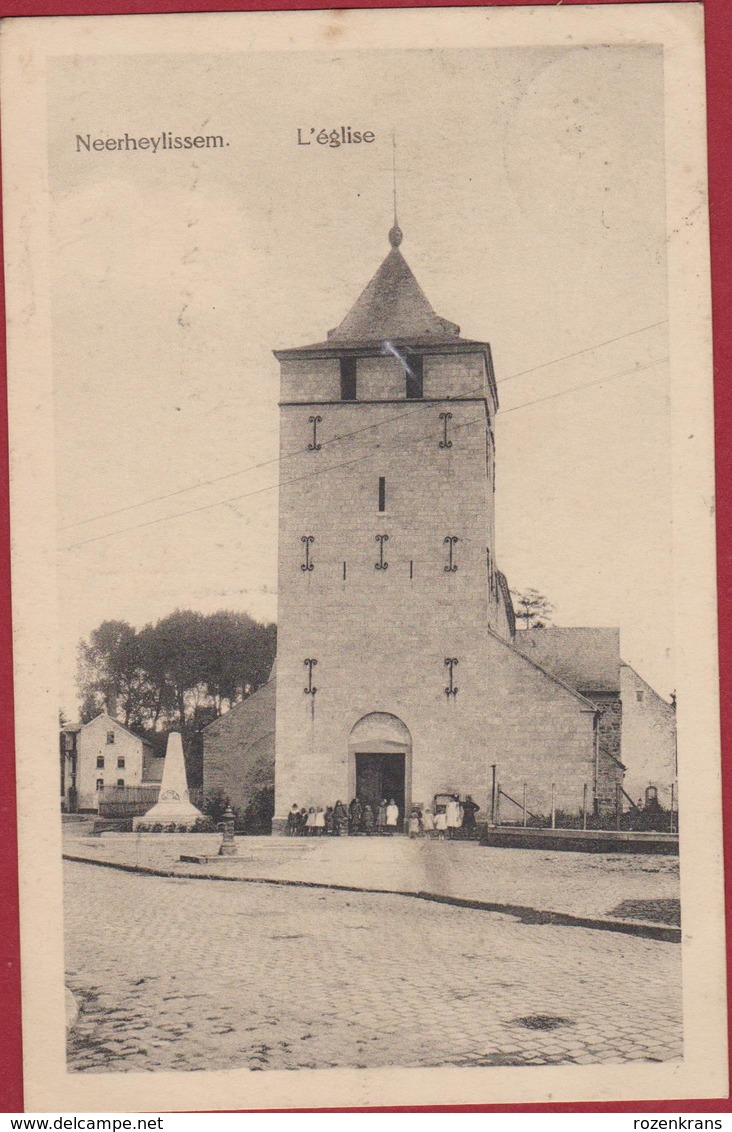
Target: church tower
(387,579)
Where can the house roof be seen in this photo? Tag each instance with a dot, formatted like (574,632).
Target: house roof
(588,705)
(392,308)
(585,659)
(116,722)
(661,699)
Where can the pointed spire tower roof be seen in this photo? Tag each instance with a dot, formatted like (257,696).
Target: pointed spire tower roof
(393,306)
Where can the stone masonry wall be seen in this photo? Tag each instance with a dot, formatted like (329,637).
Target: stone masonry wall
(238,749)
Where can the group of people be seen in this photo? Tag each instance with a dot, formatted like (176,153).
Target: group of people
(339,820)
(450,819)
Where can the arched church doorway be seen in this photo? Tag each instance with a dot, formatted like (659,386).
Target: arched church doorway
(380,761)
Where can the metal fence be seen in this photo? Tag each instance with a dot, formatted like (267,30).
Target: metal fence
(550,805)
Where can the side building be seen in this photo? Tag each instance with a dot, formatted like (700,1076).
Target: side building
(100,755)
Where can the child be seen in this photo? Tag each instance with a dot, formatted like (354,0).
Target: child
(392,816)
(302,822)
(413,824)
(368,820)
(428,822)
(329,821)
(310,822)
(319,824)
(381,816)
(440,824)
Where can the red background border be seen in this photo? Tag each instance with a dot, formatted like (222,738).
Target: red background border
(718,20)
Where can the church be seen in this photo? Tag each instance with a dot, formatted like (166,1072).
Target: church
(400,671)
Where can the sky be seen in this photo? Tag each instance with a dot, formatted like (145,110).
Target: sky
(531,195)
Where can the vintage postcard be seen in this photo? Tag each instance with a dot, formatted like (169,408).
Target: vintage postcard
(360,403)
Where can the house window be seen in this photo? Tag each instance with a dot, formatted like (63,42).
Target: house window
(382,493)
(121,762)
(348,379)
(639,696)
(415,377)
(110,736)
(120,781)
(100,783)
(100,762)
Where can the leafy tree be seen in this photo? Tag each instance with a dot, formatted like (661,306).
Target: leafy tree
(181,672)
(532,608)
(110,673)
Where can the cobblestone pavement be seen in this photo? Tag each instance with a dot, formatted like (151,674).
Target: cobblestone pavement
(621,886)
(180,974)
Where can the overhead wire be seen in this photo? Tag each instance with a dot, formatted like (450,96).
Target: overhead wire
(335,439)
(347,463)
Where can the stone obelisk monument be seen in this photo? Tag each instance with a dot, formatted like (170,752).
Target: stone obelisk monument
(173,805)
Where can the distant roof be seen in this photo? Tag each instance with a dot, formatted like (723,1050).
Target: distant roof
(116,722)
(585,659)
(392,308)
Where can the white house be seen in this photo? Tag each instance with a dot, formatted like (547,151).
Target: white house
(98,754)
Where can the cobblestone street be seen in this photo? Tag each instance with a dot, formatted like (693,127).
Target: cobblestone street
(181,974)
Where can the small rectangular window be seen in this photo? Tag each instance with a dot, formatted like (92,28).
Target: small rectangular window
(639,696)
(100,784)
(415,377)
(100,762)
(348,379)
(121,762)
(120,781)
(110,736)
(382,493)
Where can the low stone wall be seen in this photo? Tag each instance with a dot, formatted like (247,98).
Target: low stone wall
(581,840)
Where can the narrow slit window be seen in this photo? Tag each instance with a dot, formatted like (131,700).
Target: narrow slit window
(415,377)
(348,379)
(382,493)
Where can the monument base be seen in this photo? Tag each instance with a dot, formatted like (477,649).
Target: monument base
(182,815)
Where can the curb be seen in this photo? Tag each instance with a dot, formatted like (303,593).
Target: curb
(641,928)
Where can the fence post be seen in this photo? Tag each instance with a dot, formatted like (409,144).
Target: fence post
(524,801)
(584,806)
(554,812)
(493,793)
(498,803)
(617,806)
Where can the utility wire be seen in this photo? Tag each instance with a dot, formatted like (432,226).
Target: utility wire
(347,463)
(335,439)
(586,385)
(608,341)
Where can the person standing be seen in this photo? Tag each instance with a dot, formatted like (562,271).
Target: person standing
(440,824)
(470,809)
(340,814)
(319,825)
(368,820)
(454,818)
(428,822)
(381,816)
(355,815)
(293,819)
(392,816)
